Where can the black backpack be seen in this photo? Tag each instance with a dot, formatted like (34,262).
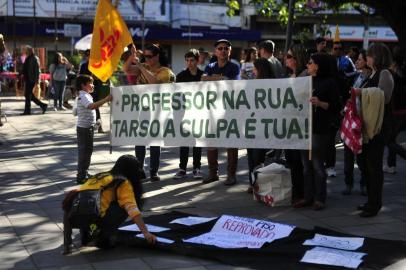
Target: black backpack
(86,205)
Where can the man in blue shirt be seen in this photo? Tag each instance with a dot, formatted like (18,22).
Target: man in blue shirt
(222,69)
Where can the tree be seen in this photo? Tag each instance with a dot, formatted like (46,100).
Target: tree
(393,11)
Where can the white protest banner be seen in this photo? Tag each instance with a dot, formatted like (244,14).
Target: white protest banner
(240,232)
(271,113)
(151,228)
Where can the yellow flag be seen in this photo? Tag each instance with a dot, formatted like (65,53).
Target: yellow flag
(110,37)
(337,34)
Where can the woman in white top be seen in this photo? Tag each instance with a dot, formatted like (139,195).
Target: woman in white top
(248,66)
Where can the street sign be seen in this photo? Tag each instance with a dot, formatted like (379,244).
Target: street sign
(72,30)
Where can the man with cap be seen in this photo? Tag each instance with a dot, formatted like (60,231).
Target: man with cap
(222,69)
(266,50)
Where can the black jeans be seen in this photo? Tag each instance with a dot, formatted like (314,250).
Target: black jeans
(294,161)
(184,157)
(155,154)
(349,167)
(59,86)
(29,96)
(398,122)
(372,155)
(315,177)
(85,150)
(331,149)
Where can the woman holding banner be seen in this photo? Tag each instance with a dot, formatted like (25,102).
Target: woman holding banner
(325,104)
(295,60)
(153,71)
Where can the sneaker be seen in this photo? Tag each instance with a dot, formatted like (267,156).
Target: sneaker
(197,174)
(387,169)
(67,105)
(180,174)
(331,172)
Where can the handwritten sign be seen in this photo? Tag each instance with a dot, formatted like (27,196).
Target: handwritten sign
(347,243)
(151,228)
(328,256)
(242,232)
(189,221)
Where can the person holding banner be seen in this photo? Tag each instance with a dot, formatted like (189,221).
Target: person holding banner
(296,59)
(325,104)
(153,71)
(191,74)
(222,69)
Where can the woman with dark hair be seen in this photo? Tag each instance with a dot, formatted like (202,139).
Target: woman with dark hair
(118,202)
(248,65)
(152,71)
(262,70)
(296,59)
(363,73)
(59,73)
(376,123)
(398,105)
(325,104)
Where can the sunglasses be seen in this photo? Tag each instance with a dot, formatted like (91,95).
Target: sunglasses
(223,48)
(148,56)
(289,56)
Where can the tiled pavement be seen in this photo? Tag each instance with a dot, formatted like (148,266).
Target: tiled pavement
(38,162)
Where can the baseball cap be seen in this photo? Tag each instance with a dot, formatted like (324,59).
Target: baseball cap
(222,41)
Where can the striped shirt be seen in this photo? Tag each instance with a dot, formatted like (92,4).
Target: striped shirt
(86,116)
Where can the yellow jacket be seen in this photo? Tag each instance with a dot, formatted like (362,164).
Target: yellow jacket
(372,110)
(125,194)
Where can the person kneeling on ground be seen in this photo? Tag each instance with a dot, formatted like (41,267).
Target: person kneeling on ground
(117,202)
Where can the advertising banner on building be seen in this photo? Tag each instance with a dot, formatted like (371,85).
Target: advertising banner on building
(356,33)
(155,10)
(269,113)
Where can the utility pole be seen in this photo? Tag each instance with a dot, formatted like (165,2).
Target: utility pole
(14,24)
(56,25)
(34,28)
(143,24)
(290,24)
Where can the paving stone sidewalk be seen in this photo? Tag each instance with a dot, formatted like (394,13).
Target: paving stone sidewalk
(38,165)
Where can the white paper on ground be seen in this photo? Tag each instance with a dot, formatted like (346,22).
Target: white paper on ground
(159,239)
(189,221)
(347,243)
(240,232)
(151,228)
(329,256)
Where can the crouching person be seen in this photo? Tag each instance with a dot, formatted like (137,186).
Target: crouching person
(118,195)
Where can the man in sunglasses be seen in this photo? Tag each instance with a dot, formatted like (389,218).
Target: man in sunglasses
(266,50)
(222,69)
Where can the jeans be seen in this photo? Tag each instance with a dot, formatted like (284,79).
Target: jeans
(59,86)
(349,167)
(85,150)
(184,156)
(315,177)
(331,149)
(398,122)
(155,154)
(294,161)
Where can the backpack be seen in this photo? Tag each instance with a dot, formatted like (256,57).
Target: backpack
(85,211)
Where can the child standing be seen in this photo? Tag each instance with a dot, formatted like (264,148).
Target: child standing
(85,124)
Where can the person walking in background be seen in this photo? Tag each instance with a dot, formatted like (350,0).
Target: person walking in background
(325,103)
(222,69)
(363,73)
(296,59)
(31,74)
(247,66)
(153,71)
(86,119)
(398,110)
(191,74)
(59,73)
